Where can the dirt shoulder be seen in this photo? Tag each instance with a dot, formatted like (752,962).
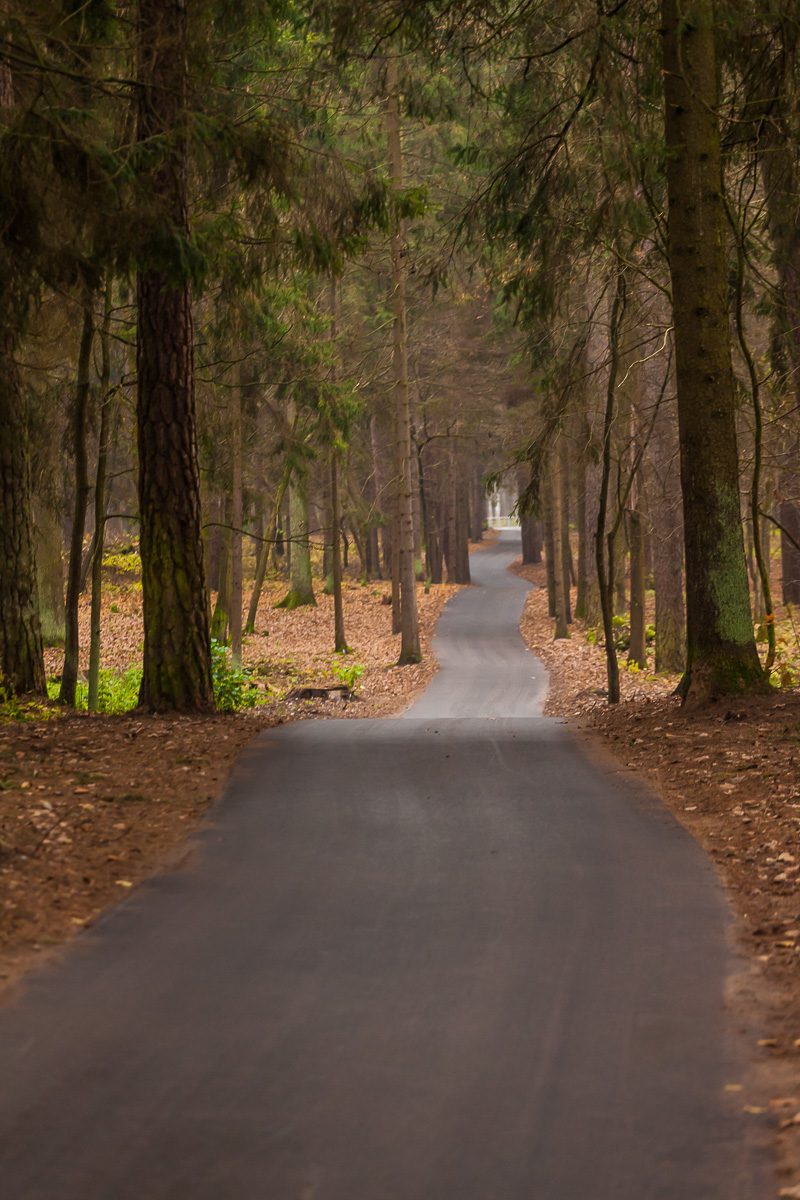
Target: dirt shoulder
(731,776)
(89,806)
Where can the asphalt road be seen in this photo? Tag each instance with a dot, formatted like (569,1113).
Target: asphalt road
(443,957)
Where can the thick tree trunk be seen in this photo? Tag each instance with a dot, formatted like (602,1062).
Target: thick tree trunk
(456,544)
(409,626)
(531,533)
(773,105)
(177,647)
(666,506)
(722,657)
(21,654)
(80,420)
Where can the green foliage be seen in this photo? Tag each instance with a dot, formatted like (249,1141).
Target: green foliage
(18,708)
(127,561)
(234,687)
(117,691)
(347,673)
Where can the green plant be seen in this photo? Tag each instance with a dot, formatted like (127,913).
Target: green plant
(348,673)
(126,561)
(117,691)
(15,708)
(233,684)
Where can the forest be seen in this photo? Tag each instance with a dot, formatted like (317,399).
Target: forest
(279,279)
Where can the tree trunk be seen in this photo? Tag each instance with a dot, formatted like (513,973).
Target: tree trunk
(339,638)
(531,534)
(100,505)
(80,419)
(790,555)
(666,507)
(549,544)
(50,573)
(220,621)
(560,568)
(269,543)
(237,517)
(301,586)
(637,651)
(177,647)
(562,501)
(579,469)
(409,626)
(722,656)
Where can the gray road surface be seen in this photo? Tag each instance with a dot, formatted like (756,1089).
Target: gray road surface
(443,957)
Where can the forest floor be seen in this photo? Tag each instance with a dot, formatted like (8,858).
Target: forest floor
(90,805)
(731,776)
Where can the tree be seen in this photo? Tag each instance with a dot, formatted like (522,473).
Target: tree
(409,627)
(721,653)
(21,652)
(177,645)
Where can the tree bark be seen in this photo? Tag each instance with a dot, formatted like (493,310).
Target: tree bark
(637,650)
(531,535)
(177,645)
(560,574)
(21,653)
(301,586)
(565,561)
(50,574)
(237,517)
(100,505)
(269,543)
(80,418)
(721,653)
(409,626)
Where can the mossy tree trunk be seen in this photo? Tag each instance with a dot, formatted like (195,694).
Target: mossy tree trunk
(177,646)
(721,651)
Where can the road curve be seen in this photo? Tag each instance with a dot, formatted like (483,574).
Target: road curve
(443,957)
